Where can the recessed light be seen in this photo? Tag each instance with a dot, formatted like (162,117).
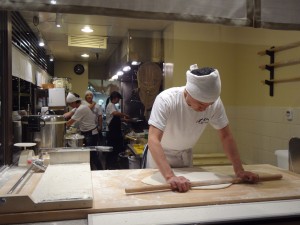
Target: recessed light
(85,55)
(87,29)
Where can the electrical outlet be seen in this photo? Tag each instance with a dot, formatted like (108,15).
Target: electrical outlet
(289,114)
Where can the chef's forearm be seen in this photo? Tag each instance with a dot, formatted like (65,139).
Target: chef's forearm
(160,159)
(230,149)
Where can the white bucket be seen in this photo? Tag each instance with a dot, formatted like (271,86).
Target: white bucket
(282,159)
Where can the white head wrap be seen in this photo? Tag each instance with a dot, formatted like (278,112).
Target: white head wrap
(72,98)
(88,92)
(204,88)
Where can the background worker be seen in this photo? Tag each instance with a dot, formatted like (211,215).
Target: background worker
(97,110)
(86,120)
(114,120)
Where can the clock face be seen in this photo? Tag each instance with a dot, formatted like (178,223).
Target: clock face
(78,69)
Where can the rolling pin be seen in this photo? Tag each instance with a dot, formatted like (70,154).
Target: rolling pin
(166,187)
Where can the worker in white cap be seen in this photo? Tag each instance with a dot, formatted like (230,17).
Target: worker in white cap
(86,120)
(178,118)
(96,109)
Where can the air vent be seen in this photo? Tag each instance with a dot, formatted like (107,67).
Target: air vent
(87,41)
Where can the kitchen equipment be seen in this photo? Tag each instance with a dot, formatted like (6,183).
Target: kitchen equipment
(17,131)
(26,154)
(74,140)
(166,187)
(294,155)
(51,132)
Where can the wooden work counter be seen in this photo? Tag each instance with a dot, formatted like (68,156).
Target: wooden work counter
(109,194)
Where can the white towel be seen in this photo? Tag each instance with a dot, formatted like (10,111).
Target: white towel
(205,88)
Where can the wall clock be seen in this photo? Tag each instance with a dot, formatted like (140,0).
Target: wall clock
(78,69)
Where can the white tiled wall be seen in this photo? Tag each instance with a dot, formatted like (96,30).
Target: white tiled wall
(258,131)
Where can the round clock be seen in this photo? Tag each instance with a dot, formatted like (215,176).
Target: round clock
(78,69)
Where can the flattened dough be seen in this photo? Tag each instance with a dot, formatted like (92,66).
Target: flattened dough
(157,178)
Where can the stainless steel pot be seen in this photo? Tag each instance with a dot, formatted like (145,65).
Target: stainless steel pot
(51,131)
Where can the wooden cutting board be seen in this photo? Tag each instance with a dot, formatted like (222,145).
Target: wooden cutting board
(109,194)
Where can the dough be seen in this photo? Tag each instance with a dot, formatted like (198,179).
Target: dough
(157,178)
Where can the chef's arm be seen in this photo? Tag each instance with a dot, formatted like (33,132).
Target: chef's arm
(231,151)
(70,122)
(68,115)
(122,115)
(154,142)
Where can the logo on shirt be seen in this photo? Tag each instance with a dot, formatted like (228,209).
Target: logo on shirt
(203,120)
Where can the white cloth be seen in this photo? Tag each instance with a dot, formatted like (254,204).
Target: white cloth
(97,110)
(176,159)
(109,110)
(182,126)
(85,118)
(205,88)
(72,98)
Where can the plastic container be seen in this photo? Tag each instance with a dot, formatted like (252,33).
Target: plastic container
(282,159)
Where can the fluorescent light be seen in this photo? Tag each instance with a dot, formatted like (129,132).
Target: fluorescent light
(85,55)
(87,29)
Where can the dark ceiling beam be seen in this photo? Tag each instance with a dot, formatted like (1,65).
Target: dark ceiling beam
(92,10)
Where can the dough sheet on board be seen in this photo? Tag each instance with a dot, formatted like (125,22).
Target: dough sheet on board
(157,178)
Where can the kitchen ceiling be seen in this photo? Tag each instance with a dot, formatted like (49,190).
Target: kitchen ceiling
(112,19)
(68,42)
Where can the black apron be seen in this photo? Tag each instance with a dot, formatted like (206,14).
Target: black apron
(115,139)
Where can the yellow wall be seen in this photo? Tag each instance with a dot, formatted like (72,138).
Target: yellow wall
(257,120)
(79,82)
(233,51)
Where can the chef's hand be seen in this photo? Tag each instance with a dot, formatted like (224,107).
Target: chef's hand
(248,176)
(180,184)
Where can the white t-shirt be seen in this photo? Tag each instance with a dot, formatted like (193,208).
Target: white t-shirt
(85,118)
(96,110)
(182,126)
(111,107)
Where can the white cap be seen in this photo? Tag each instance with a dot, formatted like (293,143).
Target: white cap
(204,88)
(72,98)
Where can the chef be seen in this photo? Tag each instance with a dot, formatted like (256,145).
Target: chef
(179,117)
(87,125)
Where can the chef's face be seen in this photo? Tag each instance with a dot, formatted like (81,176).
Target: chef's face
(195,104)
(89,97)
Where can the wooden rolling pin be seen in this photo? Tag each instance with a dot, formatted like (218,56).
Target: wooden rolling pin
(165,187)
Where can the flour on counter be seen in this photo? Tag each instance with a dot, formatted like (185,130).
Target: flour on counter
(157,178)
(64,182)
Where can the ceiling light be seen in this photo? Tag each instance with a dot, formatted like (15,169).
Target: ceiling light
(58,20)
(85,55)
(87,29)
(120,73)
(114,77)
(41,42)
(53,2)
(135,63)
(126,68)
